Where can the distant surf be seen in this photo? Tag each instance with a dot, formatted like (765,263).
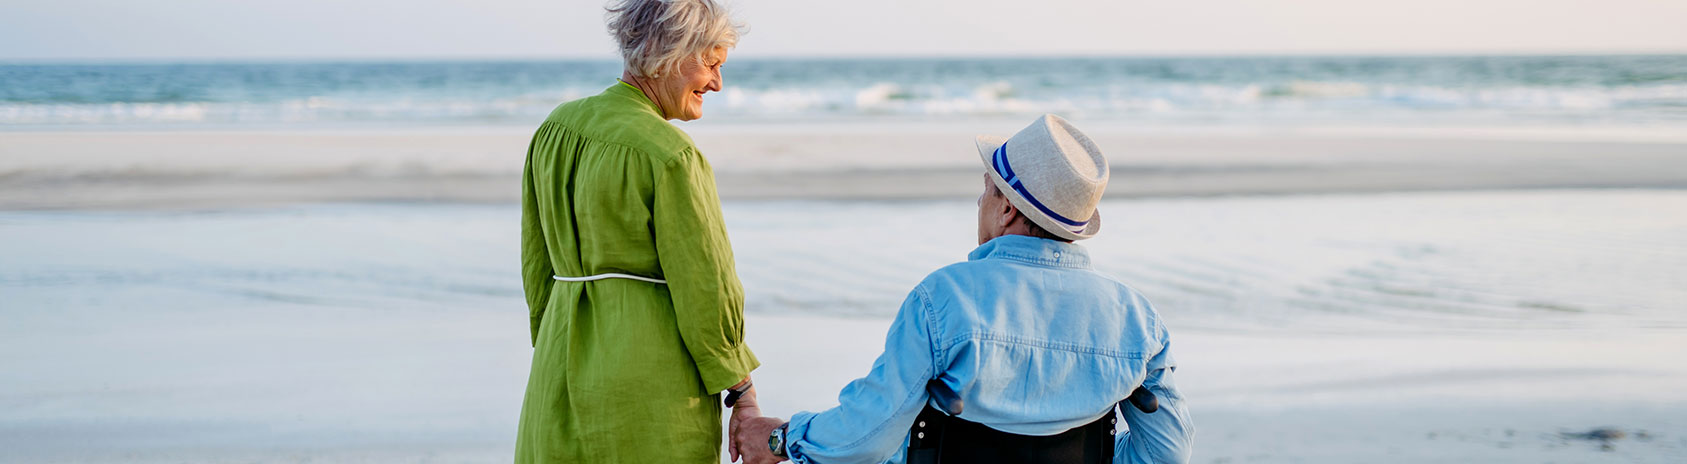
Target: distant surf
(1648,91)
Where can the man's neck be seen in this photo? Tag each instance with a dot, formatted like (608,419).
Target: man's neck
(1024,228)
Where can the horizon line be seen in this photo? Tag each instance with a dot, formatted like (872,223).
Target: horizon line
(838,56)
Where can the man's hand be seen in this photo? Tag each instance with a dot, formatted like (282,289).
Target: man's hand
(745,409)
(751,440)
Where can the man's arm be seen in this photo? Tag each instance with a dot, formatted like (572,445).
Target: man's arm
(1166,435)
(873,415)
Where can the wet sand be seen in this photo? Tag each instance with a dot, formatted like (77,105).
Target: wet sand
(185,296)
(1416,327)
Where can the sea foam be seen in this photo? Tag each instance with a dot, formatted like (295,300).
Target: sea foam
(1623,90)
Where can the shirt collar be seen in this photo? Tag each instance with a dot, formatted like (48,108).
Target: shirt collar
(624,90)
(1033,250)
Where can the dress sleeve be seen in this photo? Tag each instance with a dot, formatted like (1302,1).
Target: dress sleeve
(536,268)
(696,260)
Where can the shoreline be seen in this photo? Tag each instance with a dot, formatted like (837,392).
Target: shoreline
(151,170)
(1482,327)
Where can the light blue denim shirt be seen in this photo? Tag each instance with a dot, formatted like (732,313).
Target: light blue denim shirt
(1033,340)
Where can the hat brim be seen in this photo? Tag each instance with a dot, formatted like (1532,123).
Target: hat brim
(987,145)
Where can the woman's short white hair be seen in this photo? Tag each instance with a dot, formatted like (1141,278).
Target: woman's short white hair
(656,35)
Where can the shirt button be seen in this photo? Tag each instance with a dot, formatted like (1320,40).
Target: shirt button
(1056,255)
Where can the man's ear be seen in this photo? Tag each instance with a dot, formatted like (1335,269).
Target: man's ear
(1005,214)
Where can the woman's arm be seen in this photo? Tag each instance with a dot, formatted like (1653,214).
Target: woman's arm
(696,260)
(536,268)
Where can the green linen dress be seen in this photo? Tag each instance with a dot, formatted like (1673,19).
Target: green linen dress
(625,370)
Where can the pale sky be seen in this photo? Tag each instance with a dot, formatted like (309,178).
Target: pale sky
(419,29)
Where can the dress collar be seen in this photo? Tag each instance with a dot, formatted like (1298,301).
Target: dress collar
(1033,250)
(624,90)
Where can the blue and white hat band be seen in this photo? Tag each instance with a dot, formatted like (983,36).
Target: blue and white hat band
(1003,169)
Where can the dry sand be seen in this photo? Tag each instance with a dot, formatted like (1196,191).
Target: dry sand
(53,170)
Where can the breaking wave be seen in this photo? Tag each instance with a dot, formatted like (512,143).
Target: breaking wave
(1612,89)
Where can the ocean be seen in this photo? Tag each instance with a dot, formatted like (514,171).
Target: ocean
(191,271)
(1644,91)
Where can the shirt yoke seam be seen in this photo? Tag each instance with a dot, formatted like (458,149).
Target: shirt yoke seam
(1011,256)
(1042,343)
(669,158)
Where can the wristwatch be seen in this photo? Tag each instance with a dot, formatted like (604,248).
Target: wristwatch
(776,441)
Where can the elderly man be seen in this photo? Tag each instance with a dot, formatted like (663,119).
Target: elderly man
(1025,343)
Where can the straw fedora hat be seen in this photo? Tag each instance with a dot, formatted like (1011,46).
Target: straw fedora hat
(1050,172)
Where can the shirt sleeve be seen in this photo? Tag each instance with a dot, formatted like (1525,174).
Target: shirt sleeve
(1166,435)
(870,423)
(696,260)
(535,257)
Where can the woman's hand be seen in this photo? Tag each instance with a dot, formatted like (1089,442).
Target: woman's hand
(745,409)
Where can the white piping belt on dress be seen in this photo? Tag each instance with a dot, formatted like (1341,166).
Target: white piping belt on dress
(611,275)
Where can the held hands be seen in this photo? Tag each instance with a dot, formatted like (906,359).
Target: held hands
(752,437)
(744,409)
(748,432)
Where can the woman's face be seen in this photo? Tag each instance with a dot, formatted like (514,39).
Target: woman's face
(681,94)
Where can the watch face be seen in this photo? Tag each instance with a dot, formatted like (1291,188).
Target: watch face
(776,441)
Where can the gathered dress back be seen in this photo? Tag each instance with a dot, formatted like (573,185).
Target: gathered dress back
(625,370)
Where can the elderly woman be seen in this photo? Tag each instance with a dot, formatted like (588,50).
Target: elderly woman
(637,313)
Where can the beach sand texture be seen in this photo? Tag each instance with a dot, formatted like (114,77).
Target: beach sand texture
(102,169)
(1492,326)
